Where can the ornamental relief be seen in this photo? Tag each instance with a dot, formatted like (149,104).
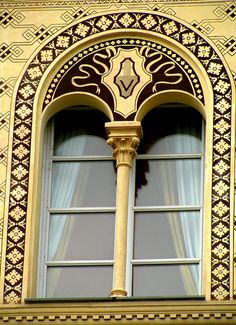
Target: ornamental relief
(163,69)
(125,74)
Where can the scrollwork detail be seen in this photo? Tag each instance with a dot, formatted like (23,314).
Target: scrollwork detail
(84,69)
(157,56)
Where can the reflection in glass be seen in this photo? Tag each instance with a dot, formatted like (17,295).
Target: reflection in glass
(78,184)
(88,236)
(80,132)
(169,182)
(160,235)
(82,281)
(171,130)
(165,280)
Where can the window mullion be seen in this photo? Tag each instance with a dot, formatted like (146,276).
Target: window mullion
(80,158)
(165,261)
(80,263)
(81,210)
(173,156)
(167,208)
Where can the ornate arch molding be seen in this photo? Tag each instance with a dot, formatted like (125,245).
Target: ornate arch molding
(222,90)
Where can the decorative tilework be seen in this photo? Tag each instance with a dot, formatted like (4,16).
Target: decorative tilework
(39,33)
(211,62)
(227,45)
(226,11)
(2,194)
(72,14)
(9,51)
(10,18)
(6,87)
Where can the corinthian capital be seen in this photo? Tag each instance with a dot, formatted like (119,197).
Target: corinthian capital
(124,138)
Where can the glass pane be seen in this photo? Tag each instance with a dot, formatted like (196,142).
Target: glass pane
(168,182)
(166,235)
(165,280)
(80,132)
(79,184)
(171,130)
(83,281)
(87,236)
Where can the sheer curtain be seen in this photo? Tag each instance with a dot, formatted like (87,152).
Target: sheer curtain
(189,190)
(64,184)
(185,226)
(176,181)
(74,185)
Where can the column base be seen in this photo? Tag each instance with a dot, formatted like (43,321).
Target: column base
(118,293)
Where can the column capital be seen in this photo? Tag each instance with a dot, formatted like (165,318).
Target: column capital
(124,137)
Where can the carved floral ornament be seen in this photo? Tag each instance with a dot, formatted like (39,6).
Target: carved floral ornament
(155,61)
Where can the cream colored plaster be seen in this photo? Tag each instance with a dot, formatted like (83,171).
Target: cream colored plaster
(117,311)
(202,12)
(124,137)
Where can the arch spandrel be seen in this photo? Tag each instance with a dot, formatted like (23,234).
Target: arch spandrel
(124,74)
(220,86)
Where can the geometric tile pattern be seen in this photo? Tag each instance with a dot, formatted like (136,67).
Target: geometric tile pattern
(72,14)
(2,194)
(227,45)
(4,121)
(210,61)
(10,18)
(226,11)
(39,33)
(7,86)
(11,51)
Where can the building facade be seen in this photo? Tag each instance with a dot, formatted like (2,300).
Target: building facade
(117,161)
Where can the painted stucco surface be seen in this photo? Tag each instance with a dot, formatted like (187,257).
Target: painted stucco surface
(26,26)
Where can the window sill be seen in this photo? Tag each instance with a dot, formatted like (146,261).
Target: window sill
(108,299)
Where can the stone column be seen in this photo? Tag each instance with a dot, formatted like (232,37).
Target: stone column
(124,137)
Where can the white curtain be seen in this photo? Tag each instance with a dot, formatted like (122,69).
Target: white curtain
(64,188)
(190,190)
(185,226)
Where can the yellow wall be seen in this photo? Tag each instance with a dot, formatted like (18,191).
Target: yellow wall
(25,26)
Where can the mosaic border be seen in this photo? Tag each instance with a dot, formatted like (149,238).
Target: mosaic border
(221,85)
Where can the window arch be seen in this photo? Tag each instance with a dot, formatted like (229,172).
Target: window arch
(165,206)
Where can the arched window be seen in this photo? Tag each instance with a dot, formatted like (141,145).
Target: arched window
(166,214)
(164,246)
(79,206)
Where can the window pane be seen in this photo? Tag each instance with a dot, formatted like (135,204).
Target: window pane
(87,236)
(168,182)
(80,132)
(83,281)
(165,280)
(159,235)
(79,184)
(171,130)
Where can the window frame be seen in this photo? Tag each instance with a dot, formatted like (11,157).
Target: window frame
(130,262)
(46,211)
